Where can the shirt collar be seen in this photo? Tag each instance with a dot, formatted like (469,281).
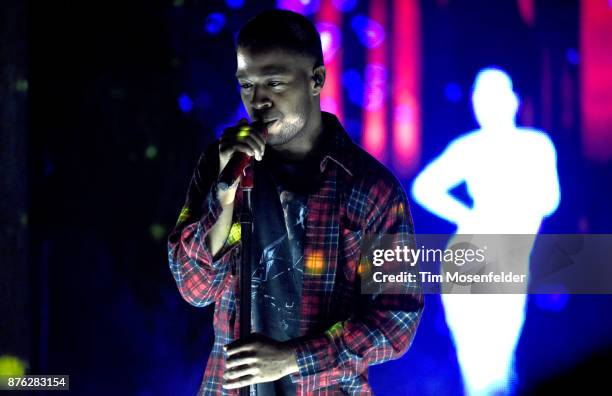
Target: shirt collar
(336,144)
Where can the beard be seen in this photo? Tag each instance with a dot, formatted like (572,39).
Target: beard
(286,129)
(286,133)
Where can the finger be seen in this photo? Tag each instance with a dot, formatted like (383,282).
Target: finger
(241,134)
(258,138)
(253,144)
(240,359)
(232,130)
(256,146)
(230,144)
(242,147)
(242,131)
(242,128)
(228,140)
(239,346)
(240,382)
(241,371)
(249,141)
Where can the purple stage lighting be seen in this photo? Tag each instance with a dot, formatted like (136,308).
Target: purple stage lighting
(370,33)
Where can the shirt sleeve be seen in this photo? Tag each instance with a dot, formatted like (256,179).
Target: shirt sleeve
(383,325)
(200,277)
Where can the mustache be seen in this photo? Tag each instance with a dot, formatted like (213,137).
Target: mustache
(265,117)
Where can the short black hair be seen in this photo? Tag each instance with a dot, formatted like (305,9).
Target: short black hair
(281,29)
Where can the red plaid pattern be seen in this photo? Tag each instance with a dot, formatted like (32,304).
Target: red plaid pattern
(343,331)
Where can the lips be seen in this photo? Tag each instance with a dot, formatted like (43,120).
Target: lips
(269,122)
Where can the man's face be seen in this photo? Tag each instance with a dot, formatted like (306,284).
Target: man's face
(276,87)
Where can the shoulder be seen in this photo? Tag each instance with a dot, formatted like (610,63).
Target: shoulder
(536,135)
(465,142)
(537,139)
(368,172)
(372,188)
(208,162)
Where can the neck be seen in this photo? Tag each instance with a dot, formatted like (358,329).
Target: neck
(305,142)
(500,128)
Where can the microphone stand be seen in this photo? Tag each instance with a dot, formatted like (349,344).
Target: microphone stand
(244,272)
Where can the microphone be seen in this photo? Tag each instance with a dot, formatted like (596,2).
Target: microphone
(238,162)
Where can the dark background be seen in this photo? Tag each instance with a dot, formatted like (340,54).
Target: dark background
(106,106)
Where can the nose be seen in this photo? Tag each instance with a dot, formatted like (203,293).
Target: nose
(260,100)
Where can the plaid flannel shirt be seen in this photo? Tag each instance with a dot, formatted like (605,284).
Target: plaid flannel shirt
(343,331)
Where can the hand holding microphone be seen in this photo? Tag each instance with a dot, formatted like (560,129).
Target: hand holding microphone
(237,146)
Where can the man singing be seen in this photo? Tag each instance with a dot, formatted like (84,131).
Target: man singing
(316,196)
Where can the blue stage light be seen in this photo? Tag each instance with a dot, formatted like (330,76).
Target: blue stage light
(452,91)
(304,7)
(353,83)
(214,23)
(344,5)
(234,3)
(572,56)
(185,103)
(369,32)
(551,302)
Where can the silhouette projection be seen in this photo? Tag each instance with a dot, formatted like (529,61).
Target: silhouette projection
(511,175)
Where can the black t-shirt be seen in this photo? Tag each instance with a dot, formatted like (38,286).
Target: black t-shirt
(280,197)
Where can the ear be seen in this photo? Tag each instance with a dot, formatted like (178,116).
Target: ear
(318,79)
